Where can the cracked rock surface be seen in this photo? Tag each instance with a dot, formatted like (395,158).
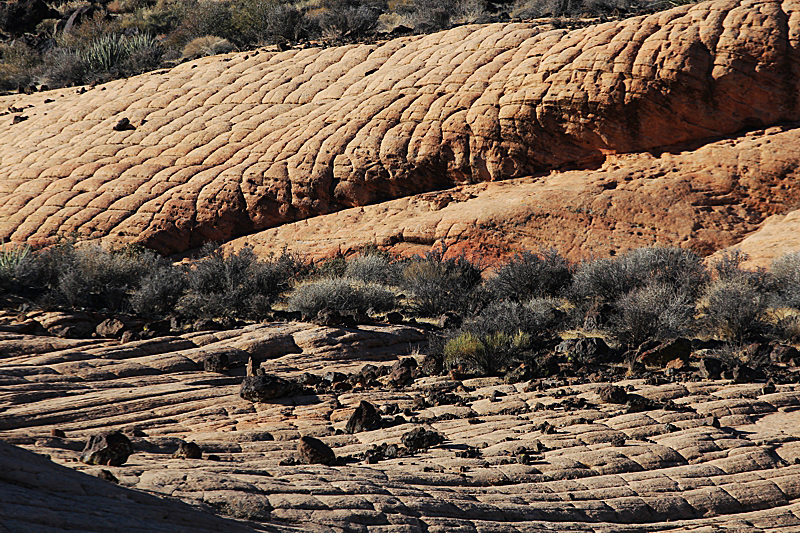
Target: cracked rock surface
(223,147)
(724,457)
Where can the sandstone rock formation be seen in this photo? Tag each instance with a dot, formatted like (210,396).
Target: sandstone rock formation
(706,199)
(510,458)
(226,147)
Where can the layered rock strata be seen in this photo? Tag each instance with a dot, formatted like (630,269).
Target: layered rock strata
(223,147)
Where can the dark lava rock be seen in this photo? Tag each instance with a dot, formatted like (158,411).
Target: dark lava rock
(745,374)
(612,394)
(710,368)
(266,387)
(450,320)
(782,353)
(23,16)
(328,317)
(364,418)
(110,328)
(431,365)
(313,451)
(188,450)
(394,318)
(382,452)
(124,124)
(110,449)
(667,351)
(216,362)
(402,372)
(334,377)
(55,432)
(108,476)
(585,349)
(421,438)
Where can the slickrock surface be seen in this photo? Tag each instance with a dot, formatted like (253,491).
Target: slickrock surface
(557,459)
(777,236)
(707,199)
(224,147)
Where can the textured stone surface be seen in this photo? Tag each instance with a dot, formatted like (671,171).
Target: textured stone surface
(511,460)
(228,146)
(709,198)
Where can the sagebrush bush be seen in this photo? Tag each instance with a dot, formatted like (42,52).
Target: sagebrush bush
(102,280)
(656,311)
(341,294)
(208,45)
(438,285)
(63,68)
(370,268)
(159,291)
(239,285)
(606,280)
(785,272)
(265,21)
(734,309)
(530,275)
(18,63)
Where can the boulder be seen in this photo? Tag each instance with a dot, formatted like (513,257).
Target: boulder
(187,450)
(266,387)
(421,438)
(612,394)
(313,451)
(667,351)
(585,349)
(364,418)
(108,449)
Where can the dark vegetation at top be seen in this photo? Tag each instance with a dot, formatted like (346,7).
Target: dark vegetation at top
(489,323)
(59,43)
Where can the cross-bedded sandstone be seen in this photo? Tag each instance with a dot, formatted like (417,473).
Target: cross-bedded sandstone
(223,147)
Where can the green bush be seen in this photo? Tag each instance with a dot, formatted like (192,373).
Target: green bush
(437,285)
(341,294)
(239,285)
(488,354)
(502,334)
(13,260)
(531,275)
(265,21)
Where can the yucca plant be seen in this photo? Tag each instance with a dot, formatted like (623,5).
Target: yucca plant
(108,51)
(12,258)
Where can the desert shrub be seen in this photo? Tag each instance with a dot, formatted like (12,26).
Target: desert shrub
(438,285)
(502,334)
(341,294)
(122,54)
(62,68)
(531,275)
(606,280)
(18,63)
(206,46)
(370,268)
(785,272)
(656,311)
(348,20)
(206,17)
(102,280)
(144,53)
(13,260)
(239,285)
(734,309)
(154,19)
(261,21)
(159,291)
(487,355)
